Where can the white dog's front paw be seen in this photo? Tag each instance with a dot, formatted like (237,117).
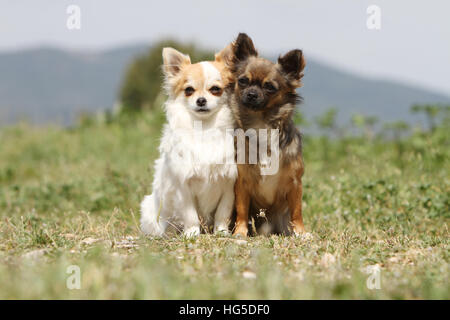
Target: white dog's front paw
(221,230)
(152,229)
(191,232)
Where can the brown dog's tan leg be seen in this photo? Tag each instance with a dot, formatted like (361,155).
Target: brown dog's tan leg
(294,198)
(242,200)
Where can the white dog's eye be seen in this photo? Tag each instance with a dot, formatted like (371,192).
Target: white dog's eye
(215,90)
(189,91)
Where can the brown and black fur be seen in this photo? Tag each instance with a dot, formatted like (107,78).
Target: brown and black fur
(264,97)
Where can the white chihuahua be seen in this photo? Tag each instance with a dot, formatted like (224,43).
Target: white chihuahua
(194,178)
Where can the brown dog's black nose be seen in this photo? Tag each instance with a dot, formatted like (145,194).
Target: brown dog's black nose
(201,102)
(252,96)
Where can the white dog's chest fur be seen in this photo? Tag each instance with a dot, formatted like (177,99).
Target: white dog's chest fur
(199,159)
(202,155)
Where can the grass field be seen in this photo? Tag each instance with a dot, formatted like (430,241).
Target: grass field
(71,197)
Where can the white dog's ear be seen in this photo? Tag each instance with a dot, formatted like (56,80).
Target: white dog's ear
(226,55)
(173,61)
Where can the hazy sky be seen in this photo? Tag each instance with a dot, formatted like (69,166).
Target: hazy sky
(413,44)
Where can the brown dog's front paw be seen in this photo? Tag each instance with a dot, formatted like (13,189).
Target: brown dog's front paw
(240,232)
(298,229)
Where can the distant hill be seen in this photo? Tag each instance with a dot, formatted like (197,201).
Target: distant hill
(48,85)
(326,87)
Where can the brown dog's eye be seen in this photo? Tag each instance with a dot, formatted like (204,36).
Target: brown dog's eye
(189,91)
(215,90)
(244,81)
(270,87)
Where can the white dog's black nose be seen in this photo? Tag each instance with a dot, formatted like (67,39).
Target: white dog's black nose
(201,102)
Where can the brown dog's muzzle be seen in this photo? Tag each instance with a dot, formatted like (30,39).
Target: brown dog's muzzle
(253,98)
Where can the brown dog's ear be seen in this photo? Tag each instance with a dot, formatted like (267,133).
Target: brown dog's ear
(292,64)
(226,55)
(173,61)
(244,48)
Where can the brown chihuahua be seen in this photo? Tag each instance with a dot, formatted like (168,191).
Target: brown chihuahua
(265,98)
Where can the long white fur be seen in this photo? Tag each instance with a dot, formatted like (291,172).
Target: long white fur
(190,185)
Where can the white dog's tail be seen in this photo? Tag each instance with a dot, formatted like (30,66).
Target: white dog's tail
(151,223)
